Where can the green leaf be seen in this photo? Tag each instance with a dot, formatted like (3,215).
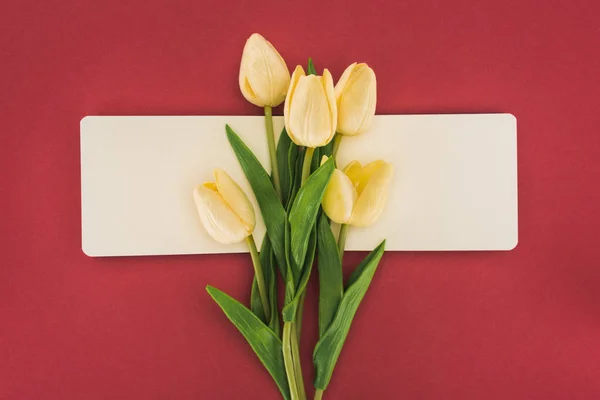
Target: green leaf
(311,68)
(255,303)
(289,278)
(265,343)
(267,261)
(286,149)
(304,211)
(316,160)
(291,308)
(270,205)
(266,253)
(296,173)
(327,150)
(331,280)
(330,345)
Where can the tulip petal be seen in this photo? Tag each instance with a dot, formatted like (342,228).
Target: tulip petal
(235,198)
(356,95)
(343,81)
(331,102)
(354,171)
(264,77)
(296,75)
(372,199)
(309,117)
(340,197)
(368,172)
(219,220)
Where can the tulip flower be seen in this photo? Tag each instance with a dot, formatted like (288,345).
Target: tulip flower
(310,110)
(264,80)
(228,217)
(224,209)
(357,195)
(264,76)
(356,97)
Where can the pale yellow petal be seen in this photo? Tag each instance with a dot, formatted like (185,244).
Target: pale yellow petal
(324,160)
(372,200)
(339,198)
(298,73)
(219,220)
(339,86)
(235,198)
(356,101)
(368,172)
(331,102)
(211,186)
(264,77)
(309,117)
(354,171)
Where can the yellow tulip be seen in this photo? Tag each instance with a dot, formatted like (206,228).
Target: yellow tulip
(224,209)
(310,112)
(264,76)
(357,195)
(356,97)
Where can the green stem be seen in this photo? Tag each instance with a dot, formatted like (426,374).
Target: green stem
(288,359)
(318,394)
(337,139)
(342,240)
(272,149)
(260,278)
(295,337)
(299,314)
(308,155)
(297,365)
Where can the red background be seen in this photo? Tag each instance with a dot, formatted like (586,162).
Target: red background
(523,324)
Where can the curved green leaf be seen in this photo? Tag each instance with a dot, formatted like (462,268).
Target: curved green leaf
(265,343)
(270,205)
(326,150)
(289,278)
(265,254)
(291,308)
(331,280)
(296,174)
(255,302)
(330,345)
(305,209)
(287,152)
(267,262)
(316,160)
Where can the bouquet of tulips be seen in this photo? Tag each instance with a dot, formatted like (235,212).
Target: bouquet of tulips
(303,201)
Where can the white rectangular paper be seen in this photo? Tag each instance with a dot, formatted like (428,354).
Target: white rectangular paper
(454,186)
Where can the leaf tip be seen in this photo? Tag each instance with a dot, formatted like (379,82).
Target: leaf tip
(211,290)
(311,70)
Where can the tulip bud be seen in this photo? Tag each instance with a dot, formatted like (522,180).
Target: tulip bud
(224,209)
(356,97)
(357,195)
(310,111)
(264,77)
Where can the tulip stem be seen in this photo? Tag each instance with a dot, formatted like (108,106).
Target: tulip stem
(337,140)
(288,359)
(272,149)
(342,240)
(294,339)
(299,314)
(308,155)
(260,278)
(318,394)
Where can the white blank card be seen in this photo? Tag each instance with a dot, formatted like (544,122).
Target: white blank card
(454,185)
